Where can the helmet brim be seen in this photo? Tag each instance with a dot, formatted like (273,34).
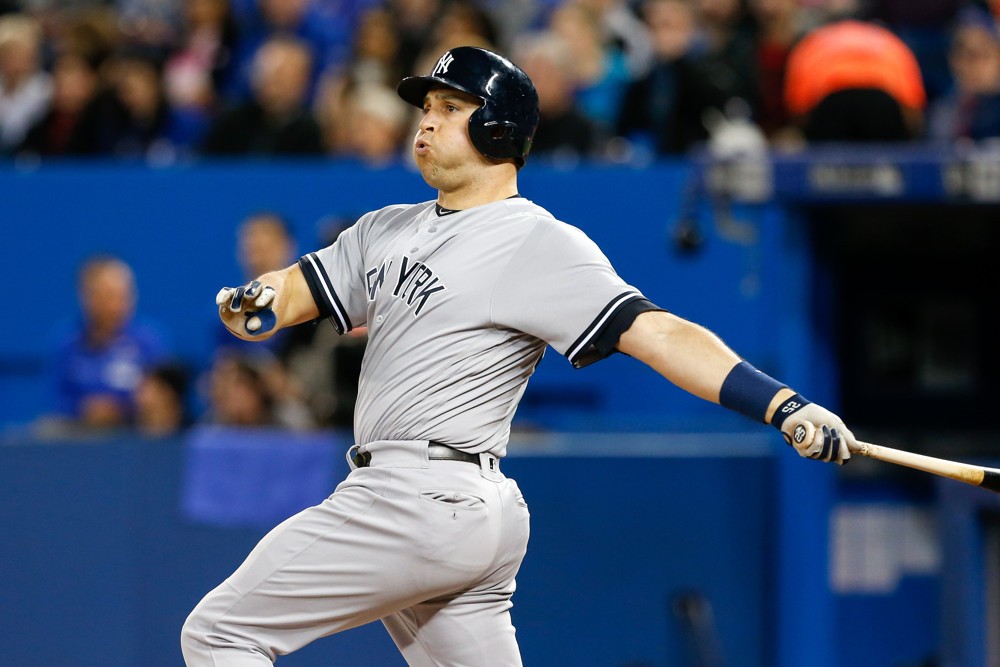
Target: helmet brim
(413,89)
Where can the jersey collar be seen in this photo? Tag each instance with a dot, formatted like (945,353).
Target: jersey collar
(442,211)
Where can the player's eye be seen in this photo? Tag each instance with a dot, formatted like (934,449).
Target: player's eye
(452,108)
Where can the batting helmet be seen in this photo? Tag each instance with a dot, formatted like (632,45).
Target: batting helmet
(505,124)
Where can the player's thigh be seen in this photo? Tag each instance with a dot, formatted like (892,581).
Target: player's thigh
(329,568)
(472,627)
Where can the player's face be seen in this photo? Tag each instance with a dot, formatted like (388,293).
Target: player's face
(442,147)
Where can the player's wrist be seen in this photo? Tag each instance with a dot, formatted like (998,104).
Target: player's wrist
(787,405)
(751,393)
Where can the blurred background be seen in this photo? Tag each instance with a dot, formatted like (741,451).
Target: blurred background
(817,181)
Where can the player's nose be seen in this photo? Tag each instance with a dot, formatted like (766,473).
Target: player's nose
(428,122)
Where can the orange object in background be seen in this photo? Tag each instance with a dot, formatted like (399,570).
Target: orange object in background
(851,54)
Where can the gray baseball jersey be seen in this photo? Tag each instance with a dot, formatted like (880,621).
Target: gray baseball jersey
(459,308)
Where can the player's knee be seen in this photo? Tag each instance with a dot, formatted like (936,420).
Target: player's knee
(205,634)
(194,636)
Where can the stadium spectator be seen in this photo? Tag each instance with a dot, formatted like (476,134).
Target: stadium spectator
(779,24)
(265,241)
(377,121)
(161,408)
(99,363)
(971,110)
(276,121)
(374,61)
(76,80)
(854,81)
(375,56)
(623,31)
(295,364)
(203,61)
(564,134)
(323,27)
(93,33)
(415,21)
(600,70)
(719,67)
(25,88)
(649,112)
(243,393)
(132,118)
(438,41)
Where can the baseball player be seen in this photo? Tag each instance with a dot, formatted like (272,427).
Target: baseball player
(460,295)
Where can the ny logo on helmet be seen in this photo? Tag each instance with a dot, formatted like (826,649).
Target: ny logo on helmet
(443,64)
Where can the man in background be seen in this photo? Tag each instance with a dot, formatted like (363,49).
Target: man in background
(99,364)
(277,120)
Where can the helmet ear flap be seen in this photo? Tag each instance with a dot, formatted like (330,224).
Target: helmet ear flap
(493,138)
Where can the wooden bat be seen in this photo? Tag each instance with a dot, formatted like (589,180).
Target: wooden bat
(987,478)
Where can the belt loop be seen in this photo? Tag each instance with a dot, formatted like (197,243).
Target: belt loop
(351,451)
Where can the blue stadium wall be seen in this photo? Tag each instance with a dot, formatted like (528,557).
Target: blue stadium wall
(106,546)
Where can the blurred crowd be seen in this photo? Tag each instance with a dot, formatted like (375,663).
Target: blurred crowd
(111,370)
(618,80)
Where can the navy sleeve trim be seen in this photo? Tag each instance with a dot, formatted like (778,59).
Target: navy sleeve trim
(600,339)
(321,288)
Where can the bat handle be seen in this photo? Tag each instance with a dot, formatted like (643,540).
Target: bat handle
(801,432)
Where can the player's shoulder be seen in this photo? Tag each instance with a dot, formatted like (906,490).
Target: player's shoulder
(544,222)
(522,211)
(396,213)
(389,219)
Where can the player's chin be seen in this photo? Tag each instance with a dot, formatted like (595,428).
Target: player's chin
(429,170)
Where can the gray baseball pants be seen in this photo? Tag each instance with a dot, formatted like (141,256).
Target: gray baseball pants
(429,547)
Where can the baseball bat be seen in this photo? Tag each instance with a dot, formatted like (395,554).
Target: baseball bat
(986,478)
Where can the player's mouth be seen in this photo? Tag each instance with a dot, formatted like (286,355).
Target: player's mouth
(421,147)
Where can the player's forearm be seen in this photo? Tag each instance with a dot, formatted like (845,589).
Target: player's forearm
(689,355)
(293,303)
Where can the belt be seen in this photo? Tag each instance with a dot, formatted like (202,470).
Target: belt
(435,452)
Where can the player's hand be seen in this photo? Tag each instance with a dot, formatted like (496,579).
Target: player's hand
(247,309)
(817,433)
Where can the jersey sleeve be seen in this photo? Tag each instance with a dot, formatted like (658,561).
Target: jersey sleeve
(561,288)
(335,276)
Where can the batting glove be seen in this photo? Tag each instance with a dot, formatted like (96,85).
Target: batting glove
(254,301)
(814,431)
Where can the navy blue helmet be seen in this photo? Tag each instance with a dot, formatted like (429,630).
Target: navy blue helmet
(505,124)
